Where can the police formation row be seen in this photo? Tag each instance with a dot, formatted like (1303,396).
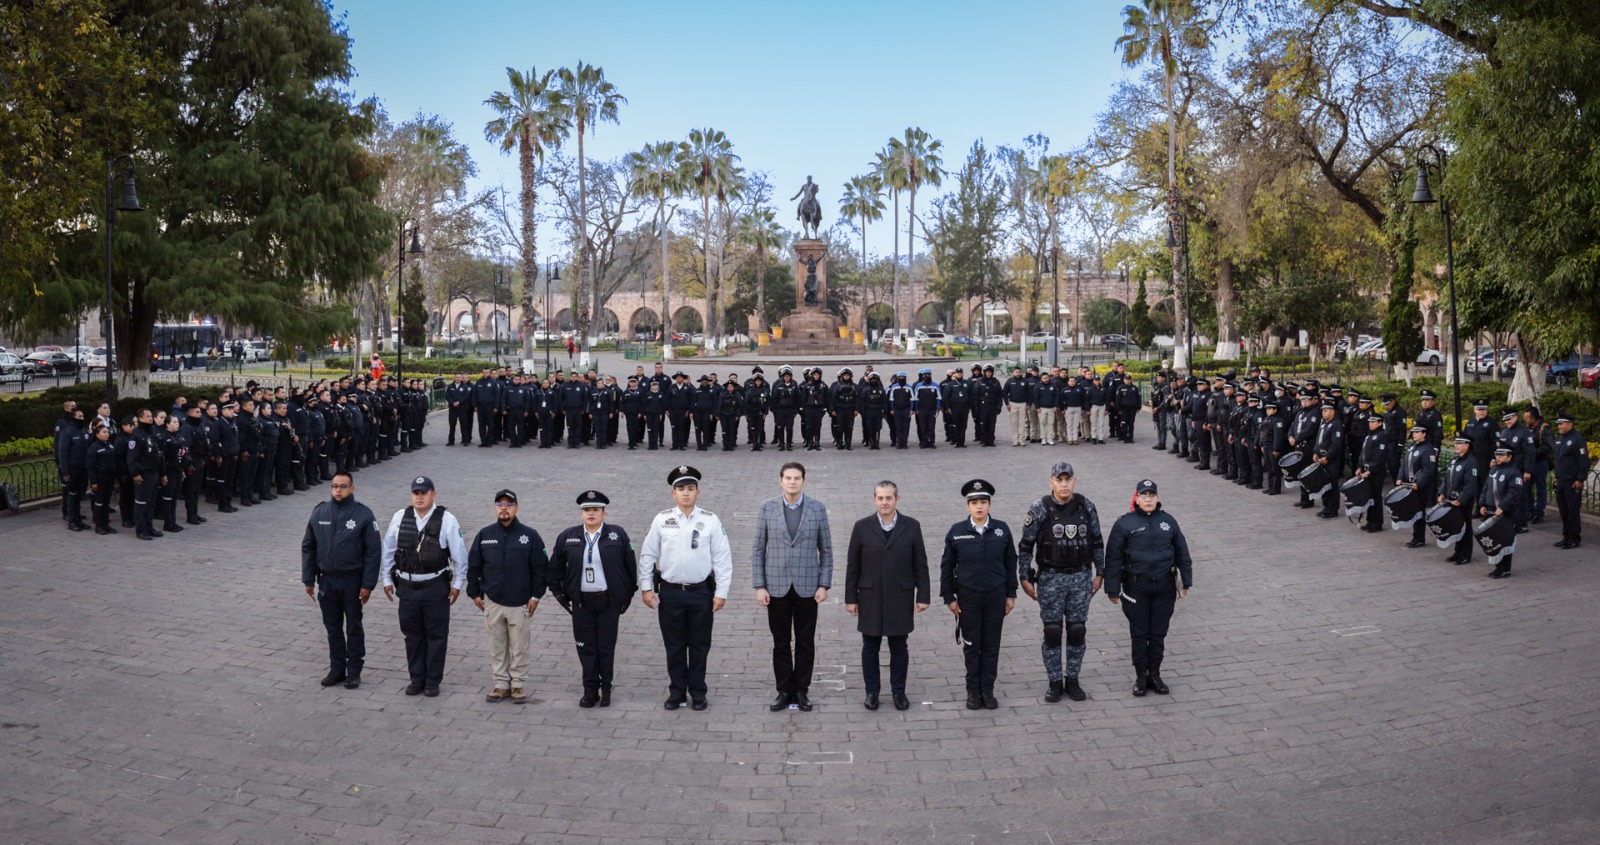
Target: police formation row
(246,446)
(683,571)
(589,408)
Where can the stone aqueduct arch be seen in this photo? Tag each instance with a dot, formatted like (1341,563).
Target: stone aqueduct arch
(914,299)
(641,311)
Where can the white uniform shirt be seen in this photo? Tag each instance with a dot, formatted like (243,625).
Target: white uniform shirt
(687,549)
(591,561)
(449,539)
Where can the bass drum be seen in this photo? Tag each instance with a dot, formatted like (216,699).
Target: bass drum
(1357,494)
(1315,479)
(1404,506)
(1447,523)
(1292,464)
(1497,536)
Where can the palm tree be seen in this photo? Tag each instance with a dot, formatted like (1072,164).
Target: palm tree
(888,171)
(531,118)
(654,174)
(728,190)
(917,161)
(759,228)
(863,200)
(1156,32)
(706,160)
(590,99)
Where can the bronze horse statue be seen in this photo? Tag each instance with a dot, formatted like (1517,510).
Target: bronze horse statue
(810,211)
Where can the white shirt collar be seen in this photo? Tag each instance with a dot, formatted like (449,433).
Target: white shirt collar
(889,526)
(797,504)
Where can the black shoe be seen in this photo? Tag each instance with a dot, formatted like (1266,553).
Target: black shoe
(989,701)
(1327,515)
(605,696)
(76,526)
(155,533)
(590,699)
(104,529)
(699,704)
(803,700)
(127,523)
(334,676)
(1501,572)
(871,702)
(431,691)
(143,536)
(227,509)
(1156,685)
(413,689)
(901,702)
(1053,694)
(353,680)
(1141,682)
(1565,544)
(1462,561)
(782,702)
(1074,691)
(1415,544)
(672,703)
(195,520)
(1537,519)
(974,701)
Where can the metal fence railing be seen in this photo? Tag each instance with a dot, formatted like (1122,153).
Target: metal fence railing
(32,480)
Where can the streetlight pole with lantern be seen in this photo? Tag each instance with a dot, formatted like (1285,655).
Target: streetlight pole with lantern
(129,203)
(400,297)
(1431,157)
(552,274)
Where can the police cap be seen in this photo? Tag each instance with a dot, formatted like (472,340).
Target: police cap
(977,488)
(592,499)
(681,475)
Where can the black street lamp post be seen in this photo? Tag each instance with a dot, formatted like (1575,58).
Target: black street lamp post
(494,311)
(400,298)
(1431,157)
(130,203)
(552,274)
(1052,263)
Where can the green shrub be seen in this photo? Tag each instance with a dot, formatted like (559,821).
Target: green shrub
(35,415)
(26,447)
(685,351)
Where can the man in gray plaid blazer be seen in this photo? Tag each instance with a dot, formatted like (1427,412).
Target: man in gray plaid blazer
(791,561)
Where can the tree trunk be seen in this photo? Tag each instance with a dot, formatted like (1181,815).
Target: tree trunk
(864,304)
(895,276)
(588,303)
(1400,371)
(1527,383)
(530,249)
(761,286)
(705,252)
(1227,309)
(722,260)
(911,260)
(666,299)
(1180,323)
(133,332)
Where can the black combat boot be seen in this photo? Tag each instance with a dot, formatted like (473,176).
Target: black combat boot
(1074,691)
(1054,694)
(1156,686)
(1141,681)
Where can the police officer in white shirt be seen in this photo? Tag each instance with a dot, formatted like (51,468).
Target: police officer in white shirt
(425,560)
(686,558)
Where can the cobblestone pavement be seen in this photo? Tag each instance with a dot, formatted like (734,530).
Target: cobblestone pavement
(1327,686)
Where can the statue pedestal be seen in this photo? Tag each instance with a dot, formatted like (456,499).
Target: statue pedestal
(810,329)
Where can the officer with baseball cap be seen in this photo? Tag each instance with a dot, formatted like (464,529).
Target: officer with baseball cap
(505,580)
(1147,570)
(1062,559)
(425,560)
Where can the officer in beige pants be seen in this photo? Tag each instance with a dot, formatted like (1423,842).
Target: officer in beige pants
(505,580)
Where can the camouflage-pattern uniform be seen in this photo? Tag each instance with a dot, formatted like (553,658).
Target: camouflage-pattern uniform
(1062,552)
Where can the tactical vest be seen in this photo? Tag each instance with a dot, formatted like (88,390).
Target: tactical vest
(419,553)
(1063,542)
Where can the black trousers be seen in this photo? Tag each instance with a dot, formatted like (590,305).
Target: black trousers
(191,491)
(730,431)
(871,428)
(845,422)
(486,428)
(792,613)
(170,493)
(1567,504)
(655,430)
(574,428)
(1148,607)
(145,501)
(982,615)
(100,500)
(899,427)
(704,434)
(460,417)
(926,428)
(811,426)
(899,660)
(224,472)
(594,630)
(680,429)
(517,426)
(958,425)
(783,428)
(72,502)
(339,597)
(686,620)
(425,624)
(755,426)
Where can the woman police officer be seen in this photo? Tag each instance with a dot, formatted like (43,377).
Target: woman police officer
(1146,556)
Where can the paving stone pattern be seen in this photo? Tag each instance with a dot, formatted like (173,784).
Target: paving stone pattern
(1327,685)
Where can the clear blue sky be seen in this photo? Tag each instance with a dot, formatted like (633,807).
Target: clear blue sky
(805,88)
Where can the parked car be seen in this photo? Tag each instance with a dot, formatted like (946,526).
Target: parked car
(999,340)
(1562,372)
(1117,342)
(258,350)
(48,349)
(964,340)
(1431,357)
(1589,376)
(97,359)
(1369,349)
(1482,360)
(51,363)
(13,368)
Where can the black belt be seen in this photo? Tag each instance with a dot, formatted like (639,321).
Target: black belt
(1135,578)
(410,583)
(711,581)
(1065,570)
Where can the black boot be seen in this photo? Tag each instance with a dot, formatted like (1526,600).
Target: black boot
(1140,682)
(1156,686)
(1054,694)
(1074,691)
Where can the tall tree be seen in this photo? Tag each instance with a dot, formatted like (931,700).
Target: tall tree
(255,186)
(968,235)
(863,201)
(888,170)
(654,175)
(706,160)
(590,99)
(759,230)
(916,156)
(1402,323)
(531,118)
(1157,31)
(1053,184)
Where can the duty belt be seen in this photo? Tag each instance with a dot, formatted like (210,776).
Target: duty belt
(1135,578)
(711,581)
(418,579)
(1063,569)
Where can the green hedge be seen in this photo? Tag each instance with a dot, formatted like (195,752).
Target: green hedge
(26,447)
(35,414)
